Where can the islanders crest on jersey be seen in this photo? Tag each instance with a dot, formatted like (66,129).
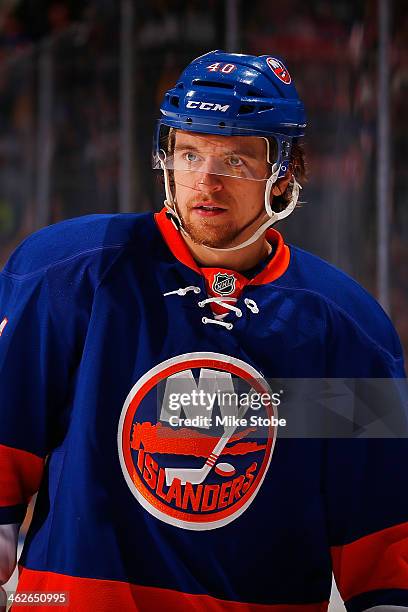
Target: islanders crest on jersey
(195,439)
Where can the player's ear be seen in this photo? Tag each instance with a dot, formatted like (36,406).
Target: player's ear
(281,184)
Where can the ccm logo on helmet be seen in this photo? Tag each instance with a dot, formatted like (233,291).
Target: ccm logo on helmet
(207,106)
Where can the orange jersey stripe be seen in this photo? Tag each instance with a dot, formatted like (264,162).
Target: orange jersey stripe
(376,561)
(106,595)
(174,241)
(20,475)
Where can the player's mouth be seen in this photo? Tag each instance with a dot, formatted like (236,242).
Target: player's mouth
(208,209)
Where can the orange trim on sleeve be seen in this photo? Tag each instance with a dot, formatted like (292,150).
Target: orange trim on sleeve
(20,475)
(106,595)
(376,561)
(177,245)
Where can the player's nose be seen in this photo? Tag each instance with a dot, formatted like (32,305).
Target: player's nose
(208,180)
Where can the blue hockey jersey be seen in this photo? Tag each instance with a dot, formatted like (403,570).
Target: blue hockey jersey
(102,320)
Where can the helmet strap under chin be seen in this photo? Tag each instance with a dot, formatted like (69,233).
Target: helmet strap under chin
(273,218)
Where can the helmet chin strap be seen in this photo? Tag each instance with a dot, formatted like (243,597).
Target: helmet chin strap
(169,203)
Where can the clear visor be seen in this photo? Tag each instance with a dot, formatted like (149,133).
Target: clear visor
(245,157)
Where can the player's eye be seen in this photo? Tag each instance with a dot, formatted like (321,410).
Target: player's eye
(190,156)
(235,161)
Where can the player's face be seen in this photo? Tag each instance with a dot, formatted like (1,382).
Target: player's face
(216,200)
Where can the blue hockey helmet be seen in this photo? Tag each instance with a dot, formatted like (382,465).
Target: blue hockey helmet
(233,94)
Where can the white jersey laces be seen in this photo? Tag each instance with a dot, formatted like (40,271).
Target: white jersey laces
(222,301)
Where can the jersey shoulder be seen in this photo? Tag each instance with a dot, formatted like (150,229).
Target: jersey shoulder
(344,296)
(95,236)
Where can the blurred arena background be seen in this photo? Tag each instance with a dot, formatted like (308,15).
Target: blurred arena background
(80,85)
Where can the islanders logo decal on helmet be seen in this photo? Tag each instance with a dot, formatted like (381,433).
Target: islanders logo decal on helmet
(188,449)
(279,70)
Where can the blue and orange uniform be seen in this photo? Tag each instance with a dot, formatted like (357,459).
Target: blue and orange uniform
(100,314)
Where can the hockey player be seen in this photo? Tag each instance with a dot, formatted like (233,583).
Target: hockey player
(119,336)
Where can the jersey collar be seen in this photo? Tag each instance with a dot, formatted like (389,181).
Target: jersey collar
(275,268)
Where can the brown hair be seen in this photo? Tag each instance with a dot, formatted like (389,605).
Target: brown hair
(298,168)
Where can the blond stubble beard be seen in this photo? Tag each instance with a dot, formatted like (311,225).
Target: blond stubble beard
(207,234)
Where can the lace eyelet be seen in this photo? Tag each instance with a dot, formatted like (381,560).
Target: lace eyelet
(251,305)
